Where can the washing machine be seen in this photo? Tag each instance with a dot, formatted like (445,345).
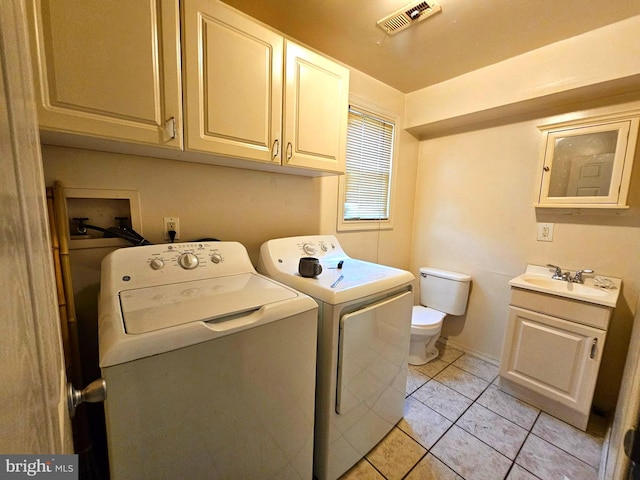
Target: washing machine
(364,332)
(209,366)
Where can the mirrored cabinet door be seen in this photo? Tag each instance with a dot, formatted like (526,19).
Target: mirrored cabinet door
(587,165)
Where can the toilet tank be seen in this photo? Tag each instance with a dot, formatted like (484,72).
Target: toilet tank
(444,290)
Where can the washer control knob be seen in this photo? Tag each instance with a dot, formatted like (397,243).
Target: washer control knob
(323,246)
(216,258)
(157,263)
(188,261)
(309,248)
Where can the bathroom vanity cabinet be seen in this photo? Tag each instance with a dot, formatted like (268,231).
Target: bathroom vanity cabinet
(552,352)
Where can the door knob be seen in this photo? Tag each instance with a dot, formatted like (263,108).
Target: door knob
(95,392)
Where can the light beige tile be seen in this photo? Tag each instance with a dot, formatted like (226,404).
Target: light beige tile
(432,368)
(442,399)
(469,457)
(463,382)
(362,470)
(509,407)
(545,460)
(422,423)
(477,367)
(430,468)
(396,454)
(448,354)
(415,379)
(496,431)
(519,473)
(580,444)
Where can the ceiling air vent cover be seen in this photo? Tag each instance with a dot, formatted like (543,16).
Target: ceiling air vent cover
(407,15)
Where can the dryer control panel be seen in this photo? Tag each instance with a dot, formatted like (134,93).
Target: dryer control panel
(342,279)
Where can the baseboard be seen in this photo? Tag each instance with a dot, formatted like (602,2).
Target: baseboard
(470,351)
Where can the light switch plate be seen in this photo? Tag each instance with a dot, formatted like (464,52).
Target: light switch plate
(545,232)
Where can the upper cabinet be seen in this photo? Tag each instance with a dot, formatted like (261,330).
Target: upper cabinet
(587,164)
(316,108)
(108,69)
(233,83)
(113,75)
(251,94)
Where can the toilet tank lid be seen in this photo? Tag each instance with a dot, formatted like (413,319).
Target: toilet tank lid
(436,272)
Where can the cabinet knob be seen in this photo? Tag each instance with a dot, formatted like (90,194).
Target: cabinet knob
(289,151)
(593,348)
(275,150)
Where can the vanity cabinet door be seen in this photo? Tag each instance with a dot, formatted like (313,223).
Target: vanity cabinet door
(552,357)
(233,83)
(108,70)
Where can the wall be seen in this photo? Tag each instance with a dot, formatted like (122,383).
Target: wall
(227,203)
(475,183)
(474,214)
(550,76)
(389,247)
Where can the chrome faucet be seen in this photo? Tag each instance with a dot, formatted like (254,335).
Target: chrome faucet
(558,275)
(577,278)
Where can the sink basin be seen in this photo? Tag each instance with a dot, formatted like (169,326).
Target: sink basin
(561,286)
(538,278)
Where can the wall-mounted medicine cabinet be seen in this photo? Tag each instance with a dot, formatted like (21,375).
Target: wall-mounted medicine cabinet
(587,163)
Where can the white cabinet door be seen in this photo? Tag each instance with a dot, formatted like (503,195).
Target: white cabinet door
(316,107)
(108,69)
(553,357)
(588,163)
(233,83)
(252,95)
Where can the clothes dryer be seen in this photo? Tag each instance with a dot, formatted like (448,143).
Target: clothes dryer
(364,333)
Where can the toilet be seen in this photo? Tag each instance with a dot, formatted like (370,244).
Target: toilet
(441,293)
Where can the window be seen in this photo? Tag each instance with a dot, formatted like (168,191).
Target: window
(366,187)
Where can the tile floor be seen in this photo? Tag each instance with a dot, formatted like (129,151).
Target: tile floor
(458,425)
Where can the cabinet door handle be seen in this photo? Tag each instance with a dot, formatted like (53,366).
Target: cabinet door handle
(593,348)
(275,150)
(170,128)
(289,151)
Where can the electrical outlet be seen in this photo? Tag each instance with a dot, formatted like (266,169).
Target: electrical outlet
(171,223)
(545,232)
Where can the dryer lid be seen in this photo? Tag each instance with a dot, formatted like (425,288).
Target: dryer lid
(154,308)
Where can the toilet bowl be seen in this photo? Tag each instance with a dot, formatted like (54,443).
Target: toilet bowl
(442,293)
(426,324)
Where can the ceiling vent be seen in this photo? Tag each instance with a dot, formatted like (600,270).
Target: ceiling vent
(408,15)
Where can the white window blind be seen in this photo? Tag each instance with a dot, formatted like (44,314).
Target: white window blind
(368,167)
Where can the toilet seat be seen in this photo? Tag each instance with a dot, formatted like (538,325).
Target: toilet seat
(426,321)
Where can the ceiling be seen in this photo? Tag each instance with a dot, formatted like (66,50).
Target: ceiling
(464,36)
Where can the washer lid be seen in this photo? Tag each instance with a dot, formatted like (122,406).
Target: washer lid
(154,308)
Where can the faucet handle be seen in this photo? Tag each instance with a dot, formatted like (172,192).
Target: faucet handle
(558,272)
(577,278)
